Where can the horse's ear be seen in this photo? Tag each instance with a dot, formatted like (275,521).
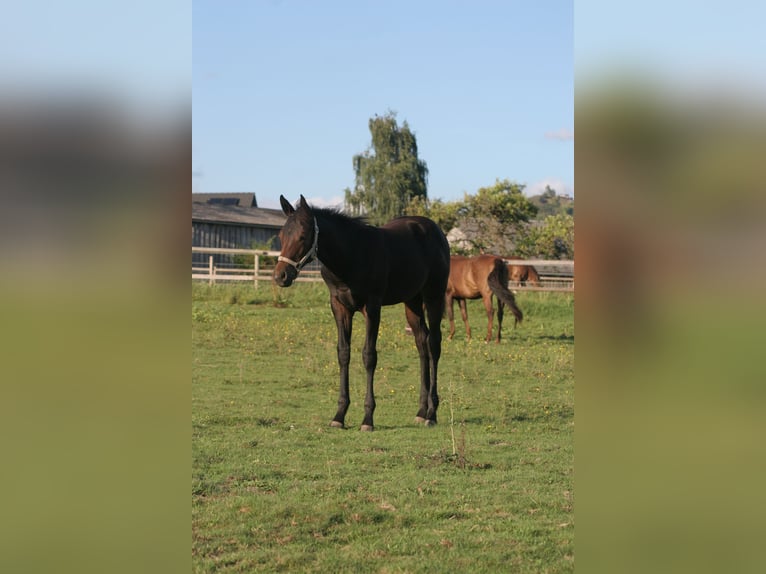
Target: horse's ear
(287,209)
(302,202)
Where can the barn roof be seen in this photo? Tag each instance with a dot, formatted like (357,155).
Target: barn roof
(236,215)
(240,199)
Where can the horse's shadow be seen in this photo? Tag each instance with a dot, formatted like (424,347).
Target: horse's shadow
(562,337)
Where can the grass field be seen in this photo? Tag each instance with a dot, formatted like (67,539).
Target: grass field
(274,488)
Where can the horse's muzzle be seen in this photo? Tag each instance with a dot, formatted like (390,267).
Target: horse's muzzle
(284,274)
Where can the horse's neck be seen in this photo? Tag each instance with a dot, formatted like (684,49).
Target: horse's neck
(335,245)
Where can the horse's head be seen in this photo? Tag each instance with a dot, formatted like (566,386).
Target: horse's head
(298,236)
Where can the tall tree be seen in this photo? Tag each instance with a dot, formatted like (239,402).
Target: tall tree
(389,174)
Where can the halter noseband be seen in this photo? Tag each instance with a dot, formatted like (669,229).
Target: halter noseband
(312,253)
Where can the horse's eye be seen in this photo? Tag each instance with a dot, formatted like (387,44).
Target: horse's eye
(302,238)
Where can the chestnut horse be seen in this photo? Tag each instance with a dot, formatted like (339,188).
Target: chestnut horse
(523,274)
(479,277)
(365,267)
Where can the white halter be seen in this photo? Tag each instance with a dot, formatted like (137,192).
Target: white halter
(312,253)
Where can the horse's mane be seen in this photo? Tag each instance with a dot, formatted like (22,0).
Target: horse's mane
(338,216)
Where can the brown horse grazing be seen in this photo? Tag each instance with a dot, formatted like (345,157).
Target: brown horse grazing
(523,274)
(475,277)
(365,267)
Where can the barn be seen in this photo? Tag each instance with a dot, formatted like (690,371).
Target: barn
(233,221)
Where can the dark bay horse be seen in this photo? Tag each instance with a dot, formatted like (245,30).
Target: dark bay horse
(479,277)
(365,267)
(523,274)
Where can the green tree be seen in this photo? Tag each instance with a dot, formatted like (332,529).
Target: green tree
(444,214)
(495,217)
(551,239)
(494,220)
(504,202)
(389,174)
(550,203)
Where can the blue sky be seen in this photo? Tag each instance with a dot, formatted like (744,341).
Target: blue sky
(137,52)
(683,41)
(283,91)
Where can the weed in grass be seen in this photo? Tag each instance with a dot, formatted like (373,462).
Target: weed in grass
(458,455)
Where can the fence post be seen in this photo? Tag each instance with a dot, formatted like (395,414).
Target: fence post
(210,270)
(256,264)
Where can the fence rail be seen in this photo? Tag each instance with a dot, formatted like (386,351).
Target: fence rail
(555,275)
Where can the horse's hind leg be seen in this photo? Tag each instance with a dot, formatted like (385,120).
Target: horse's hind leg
(490,314)
(435,310)
(500,306)
(416,321)
(450,304)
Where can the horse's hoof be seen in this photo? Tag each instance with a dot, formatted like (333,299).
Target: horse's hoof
(367,428)
(419,420)
(337,425)
(430,423)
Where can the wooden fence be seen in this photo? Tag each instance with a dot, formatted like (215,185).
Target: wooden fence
(555,275)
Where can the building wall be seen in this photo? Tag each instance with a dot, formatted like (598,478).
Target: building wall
(230,236)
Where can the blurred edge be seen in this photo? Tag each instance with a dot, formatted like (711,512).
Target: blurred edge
(94,342)
(94,215)
(670,315)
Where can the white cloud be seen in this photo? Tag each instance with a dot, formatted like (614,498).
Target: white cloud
(563,134)
(558,185)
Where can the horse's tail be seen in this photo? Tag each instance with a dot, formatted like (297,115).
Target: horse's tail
(498,283)
(533,277)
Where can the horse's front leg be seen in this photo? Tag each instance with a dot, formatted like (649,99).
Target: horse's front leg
(464,314)
(343,319)
(370,356)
